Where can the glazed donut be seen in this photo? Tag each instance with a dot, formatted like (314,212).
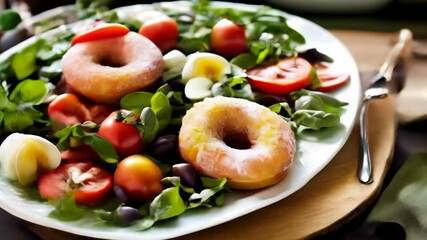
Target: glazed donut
(238,139)
(105,70)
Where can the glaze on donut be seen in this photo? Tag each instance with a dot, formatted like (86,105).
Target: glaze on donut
(238,139)
(105,70)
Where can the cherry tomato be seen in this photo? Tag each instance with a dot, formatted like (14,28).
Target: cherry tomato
(162,31)
(289,74)
(100,30)
(99,112)
(68,109)
(329,80)
(228,39)
(139,177)
(91,184)
(81,153)
(124,137)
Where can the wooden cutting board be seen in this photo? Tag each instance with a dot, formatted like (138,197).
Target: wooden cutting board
(334,196)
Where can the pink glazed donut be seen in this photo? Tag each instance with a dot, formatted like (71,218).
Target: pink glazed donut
(106,70)
(243,141)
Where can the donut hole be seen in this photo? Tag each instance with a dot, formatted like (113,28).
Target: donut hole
(237,139)
(111,61)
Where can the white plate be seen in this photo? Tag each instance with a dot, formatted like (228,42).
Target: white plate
(315,151)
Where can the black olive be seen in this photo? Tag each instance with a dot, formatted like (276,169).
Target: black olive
(120,194)
(127,215)
(187,174)
(165,148)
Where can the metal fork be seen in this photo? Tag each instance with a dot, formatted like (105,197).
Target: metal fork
(387,79)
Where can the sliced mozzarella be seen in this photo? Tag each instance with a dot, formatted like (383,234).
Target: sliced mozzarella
(174,63)
(198,88)
(208,65)
(8,149)
(23,157)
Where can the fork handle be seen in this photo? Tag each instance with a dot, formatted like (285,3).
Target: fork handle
(365,166)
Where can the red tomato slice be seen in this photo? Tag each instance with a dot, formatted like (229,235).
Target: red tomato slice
(68,109)
(100,30)
(162,31)
(288,75)
(125,137)
(228,39)
(330,81)
(91,184)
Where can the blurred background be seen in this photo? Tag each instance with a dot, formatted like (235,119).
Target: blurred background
(369,15)
(377,15)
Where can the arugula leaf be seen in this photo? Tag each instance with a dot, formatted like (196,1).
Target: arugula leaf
(72,136)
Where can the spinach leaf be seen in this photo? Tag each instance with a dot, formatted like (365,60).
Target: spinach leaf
(162,109)
(23,62)
(73,136)
(330,103)
(9,19)
(171,202)
(136,101)
(315,119)
(18,109)
(150,123)
(65,209)
(29,91)
(237,87)
(23,117)
(311,109)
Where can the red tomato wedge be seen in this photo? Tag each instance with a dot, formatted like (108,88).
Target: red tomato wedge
(100,30)
(68,109)
(162,31)
(228,39)
(288,75)
(330,80)
(91,184)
